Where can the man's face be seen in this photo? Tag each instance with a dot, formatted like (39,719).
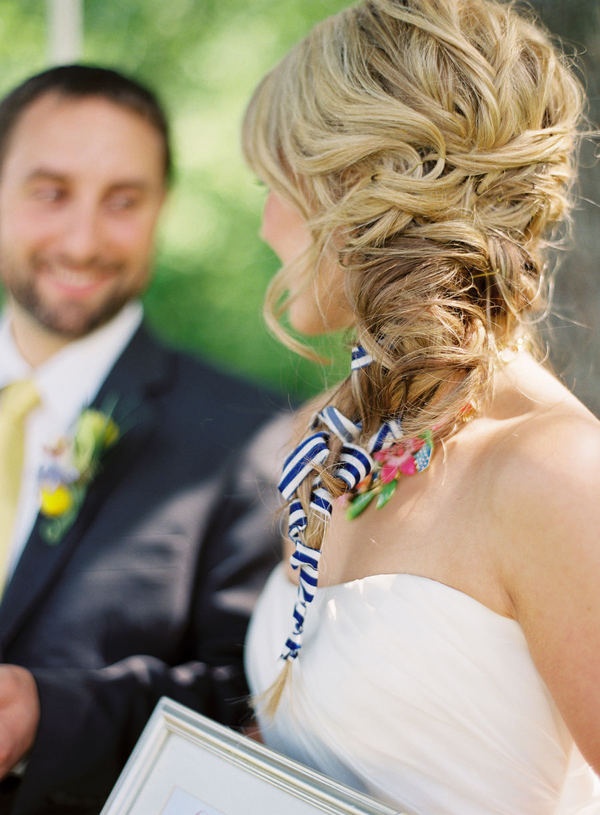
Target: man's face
(81,188)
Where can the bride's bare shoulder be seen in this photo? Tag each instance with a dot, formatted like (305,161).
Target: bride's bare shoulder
(544,456)
(537,417)
(544,516)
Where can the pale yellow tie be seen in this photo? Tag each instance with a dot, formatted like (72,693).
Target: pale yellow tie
(16,402)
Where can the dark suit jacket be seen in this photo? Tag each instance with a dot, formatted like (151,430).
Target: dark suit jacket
(149,592)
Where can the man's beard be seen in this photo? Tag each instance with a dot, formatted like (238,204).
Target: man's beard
(69,320)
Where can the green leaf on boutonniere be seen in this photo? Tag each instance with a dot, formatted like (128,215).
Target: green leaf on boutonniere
(73,464)
(95,432)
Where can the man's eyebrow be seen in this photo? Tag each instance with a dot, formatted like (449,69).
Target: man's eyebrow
(130,184)
(45,174)
(48,174)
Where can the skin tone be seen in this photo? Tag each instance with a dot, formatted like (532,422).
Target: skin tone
(320,306)
(81,189)
(508,514)
(80,193)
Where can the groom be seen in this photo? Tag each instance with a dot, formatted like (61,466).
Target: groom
(129,574)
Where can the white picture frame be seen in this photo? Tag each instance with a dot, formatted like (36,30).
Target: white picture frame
(186,764)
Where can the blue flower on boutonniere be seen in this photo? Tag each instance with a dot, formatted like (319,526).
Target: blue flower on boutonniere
(73,463)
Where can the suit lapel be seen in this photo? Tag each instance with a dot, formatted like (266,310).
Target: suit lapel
(141,372)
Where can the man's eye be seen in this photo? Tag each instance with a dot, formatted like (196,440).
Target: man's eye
(49,193)
(121,202)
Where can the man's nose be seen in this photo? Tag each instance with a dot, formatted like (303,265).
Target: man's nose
(81,240)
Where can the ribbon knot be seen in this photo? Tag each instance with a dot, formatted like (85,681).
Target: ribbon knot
(310,452)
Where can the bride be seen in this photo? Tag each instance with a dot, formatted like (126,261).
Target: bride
(419,156)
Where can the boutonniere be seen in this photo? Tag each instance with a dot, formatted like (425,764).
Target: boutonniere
(73,463)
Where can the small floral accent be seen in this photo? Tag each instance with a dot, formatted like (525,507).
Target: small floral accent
(405,457)
(72,465)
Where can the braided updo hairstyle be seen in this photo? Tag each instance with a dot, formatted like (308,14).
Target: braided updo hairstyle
(431,146)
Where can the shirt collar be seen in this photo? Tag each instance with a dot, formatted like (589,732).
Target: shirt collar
(70,379)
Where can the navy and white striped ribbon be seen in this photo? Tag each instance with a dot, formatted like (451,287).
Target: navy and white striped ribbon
(294,641)
(312,450)
(307,561)
(311,453)
(320,500)
(339,424)
(388,433)
(297,520)
(360,358)
(353,466)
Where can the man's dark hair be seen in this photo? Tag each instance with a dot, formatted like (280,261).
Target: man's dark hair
(81,81)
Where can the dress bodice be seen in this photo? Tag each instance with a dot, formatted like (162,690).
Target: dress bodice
(419,695)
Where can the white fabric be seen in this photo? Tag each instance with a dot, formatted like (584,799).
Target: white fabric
(420,696)
(67,382)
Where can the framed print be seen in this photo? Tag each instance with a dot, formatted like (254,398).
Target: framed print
(186,764)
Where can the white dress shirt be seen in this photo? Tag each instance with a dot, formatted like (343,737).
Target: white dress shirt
(67,383)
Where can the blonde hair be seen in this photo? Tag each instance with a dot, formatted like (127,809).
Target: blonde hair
(431,146)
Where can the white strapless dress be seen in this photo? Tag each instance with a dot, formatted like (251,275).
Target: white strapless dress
(420,696)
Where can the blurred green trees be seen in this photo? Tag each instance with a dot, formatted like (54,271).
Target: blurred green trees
(204,57)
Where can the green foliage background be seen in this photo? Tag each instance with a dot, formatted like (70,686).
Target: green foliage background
(204,57)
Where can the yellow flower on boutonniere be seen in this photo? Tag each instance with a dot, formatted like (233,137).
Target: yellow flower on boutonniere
(73,462)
